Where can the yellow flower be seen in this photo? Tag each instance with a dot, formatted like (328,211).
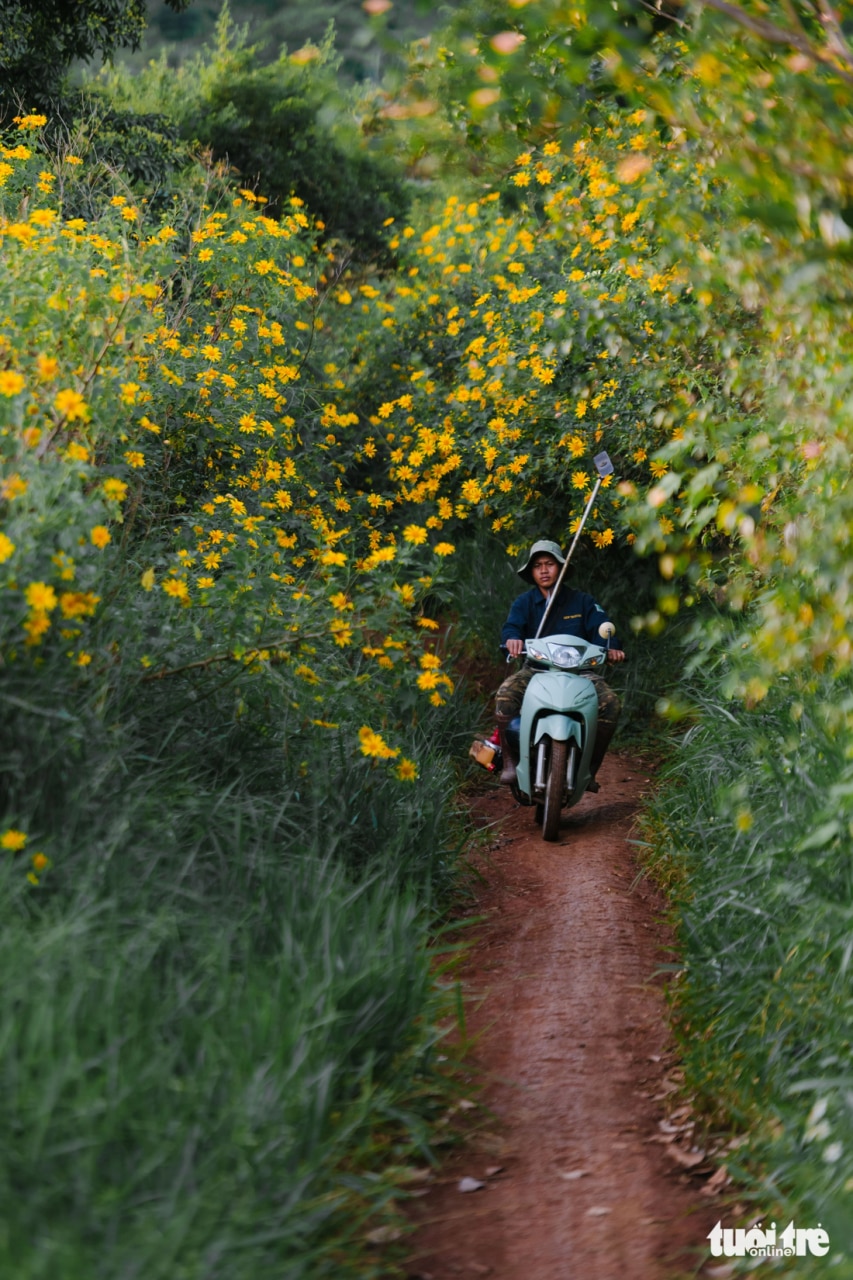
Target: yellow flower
(206,582)
(147,580)
(444,549)
(11,383)
(176,588)
(134,458)
(100,536)
(406,770)
(43,217)
(415,533)
(12,839)
(429,624)
(333,557)
(40,596)
(373,744)
(78,604)
(580,408)
(580,479)
(339,601)
(427,680)
(83,659)
(71,405)
(13,487)
(7,548)
(31,121)
(430,661)
(114,489)
(40,861)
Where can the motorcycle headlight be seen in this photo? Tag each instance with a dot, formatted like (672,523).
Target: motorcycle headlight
(564,655)
(536,654)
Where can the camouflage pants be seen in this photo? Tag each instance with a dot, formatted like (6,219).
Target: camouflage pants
(510,696)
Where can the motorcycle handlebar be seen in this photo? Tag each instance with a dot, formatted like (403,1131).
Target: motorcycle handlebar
(513,657)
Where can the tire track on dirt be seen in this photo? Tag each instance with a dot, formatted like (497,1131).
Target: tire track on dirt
(573,1048)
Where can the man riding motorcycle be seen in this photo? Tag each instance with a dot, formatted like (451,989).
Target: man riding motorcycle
(573,611)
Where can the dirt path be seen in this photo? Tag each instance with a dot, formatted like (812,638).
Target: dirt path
(581,1181)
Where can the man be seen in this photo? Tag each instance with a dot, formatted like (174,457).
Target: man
(573,612)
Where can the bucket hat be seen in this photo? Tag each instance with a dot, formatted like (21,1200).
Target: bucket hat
(539,548)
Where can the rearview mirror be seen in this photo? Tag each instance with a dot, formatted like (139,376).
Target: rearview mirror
(606,630)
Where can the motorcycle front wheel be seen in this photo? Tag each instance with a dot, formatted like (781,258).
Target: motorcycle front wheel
(554,785)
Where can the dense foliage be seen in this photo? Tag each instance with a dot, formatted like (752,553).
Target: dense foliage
(255,458)
(284,126)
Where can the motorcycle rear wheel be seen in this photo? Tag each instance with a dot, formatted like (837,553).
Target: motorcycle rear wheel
(554,786)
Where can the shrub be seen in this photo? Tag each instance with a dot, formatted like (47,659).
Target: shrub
(284,128)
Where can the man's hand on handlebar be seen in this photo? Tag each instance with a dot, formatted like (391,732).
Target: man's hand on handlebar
(615,655)
(514,647)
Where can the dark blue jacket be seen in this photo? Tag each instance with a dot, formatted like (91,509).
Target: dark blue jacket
(573,613)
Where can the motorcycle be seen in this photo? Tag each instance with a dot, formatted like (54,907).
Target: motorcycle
(553,737)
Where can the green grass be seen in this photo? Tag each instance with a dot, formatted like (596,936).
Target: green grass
(219,1044)
(752,832)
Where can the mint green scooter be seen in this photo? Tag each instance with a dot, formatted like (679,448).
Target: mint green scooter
(557,726)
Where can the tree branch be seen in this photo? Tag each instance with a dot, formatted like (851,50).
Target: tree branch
(779,35)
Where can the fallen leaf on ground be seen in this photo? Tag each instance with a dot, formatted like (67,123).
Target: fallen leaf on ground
(573,1174)
(666,1127)
(381,1235)
(716,1182)
(470,1184)
(598,1211)
(687,1159)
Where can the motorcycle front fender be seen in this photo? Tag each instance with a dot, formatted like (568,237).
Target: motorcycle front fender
(558,728)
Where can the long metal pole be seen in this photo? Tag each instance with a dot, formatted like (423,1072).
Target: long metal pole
(578,532)
(604,467)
